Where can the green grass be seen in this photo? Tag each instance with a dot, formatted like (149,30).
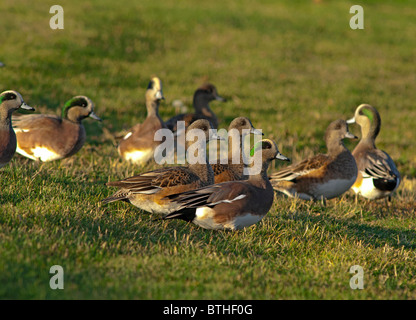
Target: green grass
(292,67)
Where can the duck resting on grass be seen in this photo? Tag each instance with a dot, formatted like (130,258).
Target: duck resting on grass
(138,145)
(234,204)
(202,97)
(147,191)
(323,176)
(49,137)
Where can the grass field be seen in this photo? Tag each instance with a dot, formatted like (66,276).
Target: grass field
(290,66)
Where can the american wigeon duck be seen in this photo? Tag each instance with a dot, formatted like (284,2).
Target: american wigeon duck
(234,170)
(234,204)
(377,176)
(147,190)
(324,176)
(138,144)
(10,101)
(47,137)
(202,97)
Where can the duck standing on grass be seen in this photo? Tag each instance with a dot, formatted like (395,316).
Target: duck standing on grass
(234,204)
(378,176)
(10,101)
(138,145)
(49,137)
(324,176)
(148,190)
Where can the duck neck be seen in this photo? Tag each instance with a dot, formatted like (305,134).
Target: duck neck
(5,118)
(75,114)
(200,102)
(152,107)
(260,179)
(200,165)
(235,151)
(369,132)
(336,147)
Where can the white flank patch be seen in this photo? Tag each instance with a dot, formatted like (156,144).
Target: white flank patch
(333,188)
(39,153)
(20,130)
(150,206)
(127,135)
(45,154)
(23,153)
(138,156)
(204,218)
(369,191)
(245,220)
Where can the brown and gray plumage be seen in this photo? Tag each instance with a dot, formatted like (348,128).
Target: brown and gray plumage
(49,137)
(138,144)
(147,190)
(232,170)
(378,176)
(202,97)
(323,176)
(234,204)
(10,101)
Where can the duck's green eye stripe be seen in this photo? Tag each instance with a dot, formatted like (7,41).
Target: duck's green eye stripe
(67,105)
(72,103)
(369,114)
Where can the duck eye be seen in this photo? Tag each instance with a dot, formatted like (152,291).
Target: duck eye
(9,96)
(266,145)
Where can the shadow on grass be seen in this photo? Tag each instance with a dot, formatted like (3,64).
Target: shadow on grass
(376,236)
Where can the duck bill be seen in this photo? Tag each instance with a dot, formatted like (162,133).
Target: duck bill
(349,135)
(280,156)
(159,95)
(26,107)
(351,121)
(256,131)
(219,98)
(95,117)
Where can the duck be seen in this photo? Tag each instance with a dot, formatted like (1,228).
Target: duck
(138,144)
(234,168)
(10,101)
(147,190)
(45,137)
(323,176)
(231,205)
(201,99)
(378,176)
